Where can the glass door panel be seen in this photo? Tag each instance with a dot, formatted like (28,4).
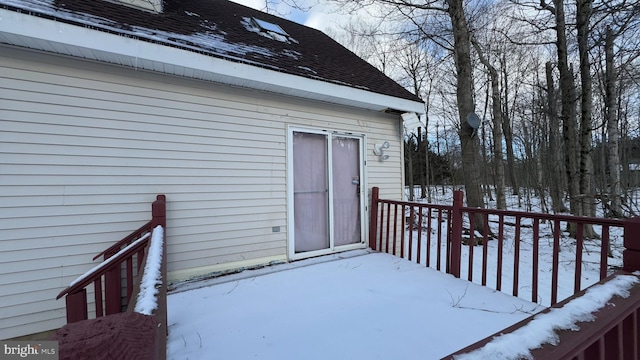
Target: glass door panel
(346,190)
(310,192)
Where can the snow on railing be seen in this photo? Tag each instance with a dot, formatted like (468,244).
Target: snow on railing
(96,269)
(600,321)
(107,275)
(147,301)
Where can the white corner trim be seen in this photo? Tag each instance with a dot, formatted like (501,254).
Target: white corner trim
(39,33)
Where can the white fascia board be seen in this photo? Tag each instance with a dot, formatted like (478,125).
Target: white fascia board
(43,34)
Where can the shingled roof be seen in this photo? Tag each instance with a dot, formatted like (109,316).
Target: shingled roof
(225,30)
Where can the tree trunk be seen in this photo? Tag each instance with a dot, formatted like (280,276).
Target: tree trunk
(611,113)
(464,95)
(568,114)
(496,109)
(508,136)
(554,145)
(583,15)
(423,171)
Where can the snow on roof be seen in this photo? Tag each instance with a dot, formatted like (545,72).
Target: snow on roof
(224,29)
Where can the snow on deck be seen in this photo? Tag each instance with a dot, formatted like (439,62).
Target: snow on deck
(373,306)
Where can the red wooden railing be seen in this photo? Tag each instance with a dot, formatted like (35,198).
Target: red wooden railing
(116,269)
(405,229)
(116,282)
(108,301)
(611,333)
(614,330)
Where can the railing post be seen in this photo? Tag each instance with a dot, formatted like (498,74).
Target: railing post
(455,256)
(159,212)
(77,306)
(159,217)
(373,217)
(631,253)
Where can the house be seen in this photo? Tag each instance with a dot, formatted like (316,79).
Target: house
(264,135)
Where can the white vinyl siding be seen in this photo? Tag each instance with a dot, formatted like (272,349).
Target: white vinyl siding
(85,148)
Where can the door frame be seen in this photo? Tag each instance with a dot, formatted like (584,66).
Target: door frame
(292,255)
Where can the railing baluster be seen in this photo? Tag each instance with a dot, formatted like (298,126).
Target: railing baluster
(472,240)
(395,227)
(381,228)
(618,341)
(129,274)
(410,232)
(485,245)
(579,244)
(428,252)
(604,251)
(402,235)
(419,233)
(112,291)
(500,251)
(516,257)
(631,336)
(554,262)
(601,349)
(439,242)
(97,287)
(140,258)
(388,226)
(534,279)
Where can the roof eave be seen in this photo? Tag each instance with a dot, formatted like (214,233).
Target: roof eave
(39,33)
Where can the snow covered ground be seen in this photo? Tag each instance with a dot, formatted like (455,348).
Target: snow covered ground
(371,306)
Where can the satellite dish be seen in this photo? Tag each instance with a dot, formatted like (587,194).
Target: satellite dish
(473,120)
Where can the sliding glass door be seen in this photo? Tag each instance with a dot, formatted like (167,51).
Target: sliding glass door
(326,174)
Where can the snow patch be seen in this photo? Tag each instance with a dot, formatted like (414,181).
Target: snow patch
(373,306)
(252,27)
(210,39)
(307,69)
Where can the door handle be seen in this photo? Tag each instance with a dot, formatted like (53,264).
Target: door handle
(356,181)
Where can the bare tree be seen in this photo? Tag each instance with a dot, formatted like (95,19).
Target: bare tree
(415,20)
(496,110)
(466,105)
(507,131)
(568,114)
(583,16)
(554,143)
(616,23)
(611,114)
